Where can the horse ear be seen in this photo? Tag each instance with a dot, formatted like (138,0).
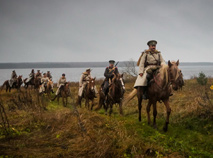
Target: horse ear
(177,63)
(94,78)
(122,75)
(169,63)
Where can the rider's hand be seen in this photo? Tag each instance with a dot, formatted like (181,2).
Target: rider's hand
(141,74)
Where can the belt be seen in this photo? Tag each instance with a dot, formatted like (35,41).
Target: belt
(150,64)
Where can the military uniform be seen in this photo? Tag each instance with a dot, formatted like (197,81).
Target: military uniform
(149,60)
(13,78)
(38,74)
(31,76)
(85,76)
(44,81)
(49,75)
(61,82)
(109,75)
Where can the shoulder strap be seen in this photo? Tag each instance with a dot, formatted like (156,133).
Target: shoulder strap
(139,60)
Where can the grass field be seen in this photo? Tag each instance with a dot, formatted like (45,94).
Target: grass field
(40,128)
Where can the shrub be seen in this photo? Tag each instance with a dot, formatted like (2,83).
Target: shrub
(202,79)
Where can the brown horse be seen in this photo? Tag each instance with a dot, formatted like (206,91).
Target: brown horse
(36,82)
(17,84)
(49,88)
(64,93)
(168,78)
(88,93)
(115,94)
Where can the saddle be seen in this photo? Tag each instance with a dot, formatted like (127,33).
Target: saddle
(151,72)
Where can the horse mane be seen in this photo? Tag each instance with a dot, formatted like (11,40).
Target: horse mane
(164,73)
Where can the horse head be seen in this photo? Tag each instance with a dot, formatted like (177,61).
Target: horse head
(19,80)
(175,75)
(91,84)
(117,81)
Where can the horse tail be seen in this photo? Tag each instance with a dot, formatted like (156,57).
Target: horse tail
(129,97)
(54,98)
(4,84)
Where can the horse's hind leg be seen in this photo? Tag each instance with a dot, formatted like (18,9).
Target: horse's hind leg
(139,95)
(148,112)
(168,110)
(154,114)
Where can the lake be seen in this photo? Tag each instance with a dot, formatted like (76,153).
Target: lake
(73,74)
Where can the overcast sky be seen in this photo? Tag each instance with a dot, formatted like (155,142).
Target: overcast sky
(100,30)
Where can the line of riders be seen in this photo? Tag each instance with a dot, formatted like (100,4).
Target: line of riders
(109,73)
(149,62)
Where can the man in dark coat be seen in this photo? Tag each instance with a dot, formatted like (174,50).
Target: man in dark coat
(109,74)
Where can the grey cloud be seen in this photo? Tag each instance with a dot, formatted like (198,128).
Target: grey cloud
(94,30)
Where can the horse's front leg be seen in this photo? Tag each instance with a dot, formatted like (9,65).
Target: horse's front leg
(139,95)
(92,104)
(120,107)
(148,112)
(110,108)
(66,101)
(58,99)
(168,110)
(154,114)
(87,103)
(63,101)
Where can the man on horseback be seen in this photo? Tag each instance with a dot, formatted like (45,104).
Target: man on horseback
(49,75)
(31,76)
(85,76)
(61,82)
(44,81)
(149,61)
(13,78)
(109,74)
(38,74)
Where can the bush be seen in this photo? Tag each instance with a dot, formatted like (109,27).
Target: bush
(202,79)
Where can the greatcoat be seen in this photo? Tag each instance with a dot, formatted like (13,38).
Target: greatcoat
(83,82)
(148,60)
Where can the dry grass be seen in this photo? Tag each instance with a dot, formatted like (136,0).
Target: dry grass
(40,128)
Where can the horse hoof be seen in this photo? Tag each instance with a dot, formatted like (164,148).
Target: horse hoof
(155,127)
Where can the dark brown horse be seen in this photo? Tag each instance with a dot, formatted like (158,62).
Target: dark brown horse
(114,96)
(17,84)
(36,82)
(168,78)
(64,93)
(88,93)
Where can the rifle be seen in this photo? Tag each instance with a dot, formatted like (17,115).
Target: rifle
(116,63)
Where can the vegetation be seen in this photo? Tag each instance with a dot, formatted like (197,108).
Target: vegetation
(40,128)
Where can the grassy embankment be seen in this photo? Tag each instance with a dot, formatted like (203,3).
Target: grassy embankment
(39,128)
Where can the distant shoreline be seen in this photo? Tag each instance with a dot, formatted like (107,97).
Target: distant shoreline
(27,65)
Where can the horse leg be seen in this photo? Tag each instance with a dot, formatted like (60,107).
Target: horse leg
(58,99)
(110,109)
(120,108)
(148,112)
(92,104)
(66,101)
(154,114)
(168,110)
(63,100)
(139,95)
